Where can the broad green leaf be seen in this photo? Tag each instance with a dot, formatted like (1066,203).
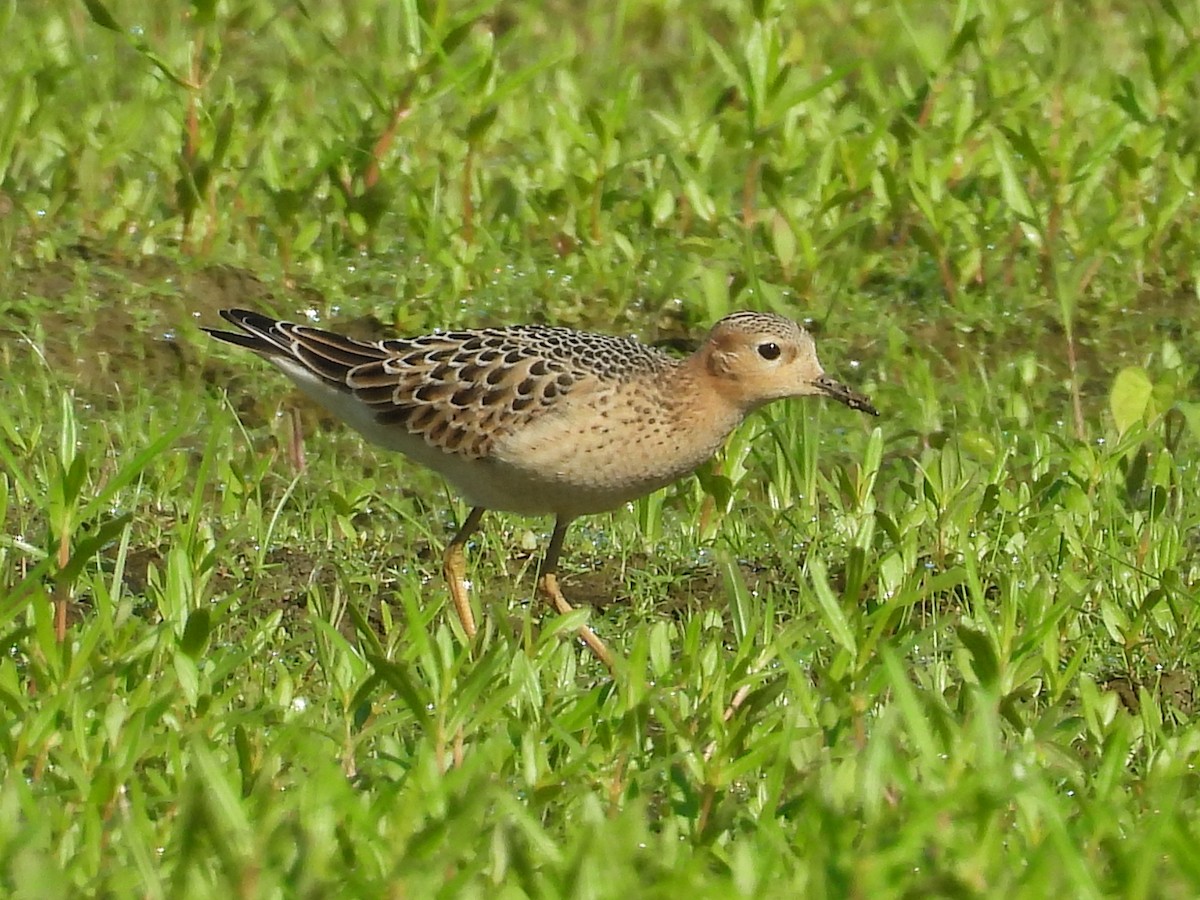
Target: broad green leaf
(835,618)
(1012,186)
(101,16)
(196,632)
(1129,397)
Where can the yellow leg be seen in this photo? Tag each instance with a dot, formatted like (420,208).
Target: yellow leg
(454,567)
(548,587)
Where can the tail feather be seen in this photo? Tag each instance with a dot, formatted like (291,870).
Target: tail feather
(330,356)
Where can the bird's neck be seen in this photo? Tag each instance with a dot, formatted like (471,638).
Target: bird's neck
(706,423)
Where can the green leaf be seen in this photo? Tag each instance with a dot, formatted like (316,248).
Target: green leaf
(196,632)
(784,241)
(101,16)
(306,236)
(206,11)
(479,125)
(717,486)
(1012,187)
(1022,142)
(455,36)
(91,545)
(984,660)
(1191,415)
(20,104)
(225,814)
(835,618)
(224,133)
(398,678)
(740,599)
(1130,397)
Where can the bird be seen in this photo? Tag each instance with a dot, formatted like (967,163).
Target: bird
(544,420)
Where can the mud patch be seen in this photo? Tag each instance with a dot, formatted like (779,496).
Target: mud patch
(105,325)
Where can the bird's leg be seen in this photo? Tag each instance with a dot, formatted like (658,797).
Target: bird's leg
(548,586)
(454,567)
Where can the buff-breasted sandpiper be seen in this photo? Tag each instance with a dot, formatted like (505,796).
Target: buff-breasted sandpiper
(540,420)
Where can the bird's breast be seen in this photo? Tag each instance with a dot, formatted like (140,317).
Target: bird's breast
(600,449)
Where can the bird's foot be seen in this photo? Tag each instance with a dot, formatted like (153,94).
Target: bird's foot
(548,587)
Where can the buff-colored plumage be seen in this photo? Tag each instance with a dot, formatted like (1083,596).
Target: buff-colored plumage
(541,420)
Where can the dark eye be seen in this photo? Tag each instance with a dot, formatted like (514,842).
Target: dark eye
(769,350)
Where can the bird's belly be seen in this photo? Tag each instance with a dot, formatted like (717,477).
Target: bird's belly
(556,491)
(573,467)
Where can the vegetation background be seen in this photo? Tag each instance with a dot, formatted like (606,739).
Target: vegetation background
(968,629)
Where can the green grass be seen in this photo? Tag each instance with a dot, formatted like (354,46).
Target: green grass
(968,629)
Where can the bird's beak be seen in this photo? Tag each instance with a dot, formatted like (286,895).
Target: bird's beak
(838,391)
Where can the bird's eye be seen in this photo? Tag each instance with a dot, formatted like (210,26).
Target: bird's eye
(769,350)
